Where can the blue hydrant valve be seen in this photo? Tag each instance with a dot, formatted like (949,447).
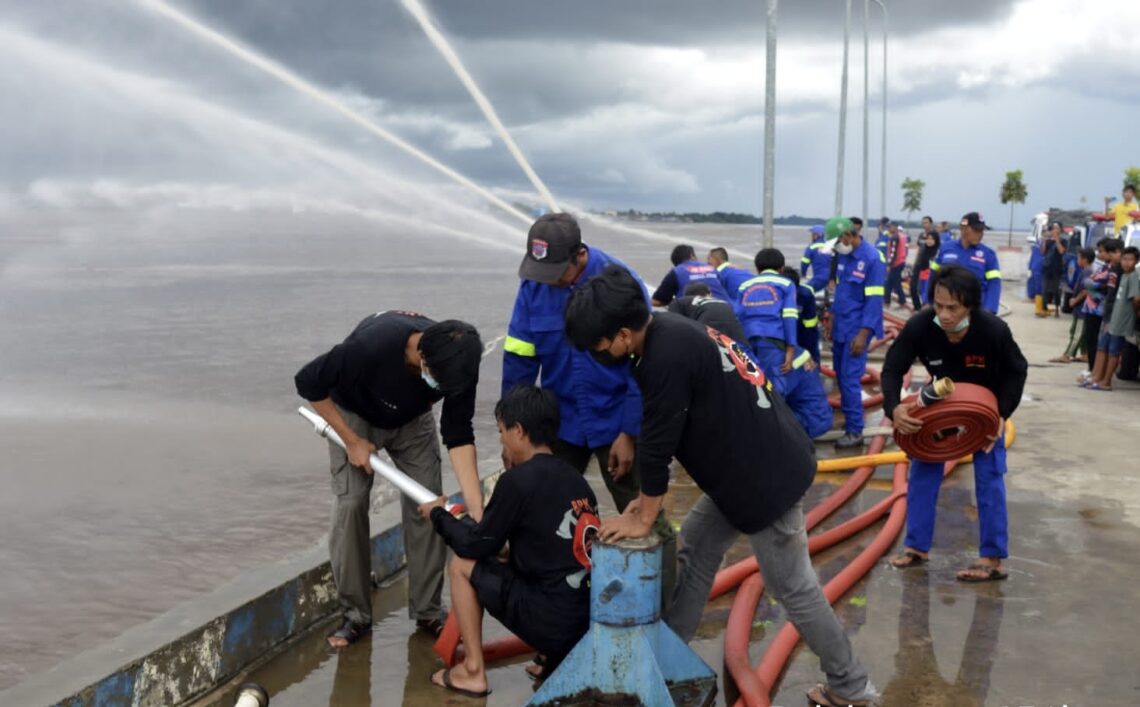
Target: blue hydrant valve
(628,654)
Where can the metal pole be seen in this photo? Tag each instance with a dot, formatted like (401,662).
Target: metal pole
(883,166)
(866,134)
(770,124)
(842,117)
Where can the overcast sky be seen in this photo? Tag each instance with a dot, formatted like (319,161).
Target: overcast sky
(653,104)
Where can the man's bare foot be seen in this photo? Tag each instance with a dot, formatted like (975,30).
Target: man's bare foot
(1061,359)
(986,569)
(460,679)
(909,558)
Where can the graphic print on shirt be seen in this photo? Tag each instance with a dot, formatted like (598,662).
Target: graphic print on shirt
(759,295)
(580,526)
(733,357)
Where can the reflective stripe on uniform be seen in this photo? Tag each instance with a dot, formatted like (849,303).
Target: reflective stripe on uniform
(805,259)
(800,360)
(934,265)
(791,312)
(809,323)
(872,291)
(993,274)
(518,347)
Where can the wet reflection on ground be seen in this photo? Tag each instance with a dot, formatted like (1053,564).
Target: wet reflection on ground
(1044,637)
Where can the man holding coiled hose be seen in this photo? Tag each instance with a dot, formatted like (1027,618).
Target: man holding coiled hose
(967,344)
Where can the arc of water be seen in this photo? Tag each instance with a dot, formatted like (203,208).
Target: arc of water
(296,82)
(452,58)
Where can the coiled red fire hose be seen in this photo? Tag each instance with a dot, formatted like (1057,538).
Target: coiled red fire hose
(961,423)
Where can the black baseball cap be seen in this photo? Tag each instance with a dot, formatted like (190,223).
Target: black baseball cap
(884,221)
(975,221)
(551,243)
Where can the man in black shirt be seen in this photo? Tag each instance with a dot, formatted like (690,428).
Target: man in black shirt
(1053,252)
(544,508)
(708,404)
(699,305)
(376,389)
(961,341)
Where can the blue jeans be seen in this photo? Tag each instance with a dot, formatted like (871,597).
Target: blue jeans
(989,489)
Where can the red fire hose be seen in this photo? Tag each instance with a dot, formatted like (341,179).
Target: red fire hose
(961,423)
(731,576)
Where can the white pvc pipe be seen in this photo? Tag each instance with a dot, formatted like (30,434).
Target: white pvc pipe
(406,484)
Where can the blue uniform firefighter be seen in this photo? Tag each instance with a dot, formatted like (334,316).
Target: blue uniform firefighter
(807,328)
(980,259)
(599,405)
(766,307)
(687,269)
(857,316)
(730,276)
(817,257)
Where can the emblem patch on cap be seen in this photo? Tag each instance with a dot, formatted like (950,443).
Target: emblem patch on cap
(538,249)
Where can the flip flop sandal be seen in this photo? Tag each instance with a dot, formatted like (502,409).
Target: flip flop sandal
(457,690)
(993,574)
(821,696)
(433,627)
(913,560)
(350,631)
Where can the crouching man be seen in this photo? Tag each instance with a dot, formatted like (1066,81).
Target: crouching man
(543,507)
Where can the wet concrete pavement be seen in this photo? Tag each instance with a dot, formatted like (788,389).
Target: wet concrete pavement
(1060,631)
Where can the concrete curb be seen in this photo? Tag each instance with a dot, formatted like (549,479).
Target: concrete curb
(193,648)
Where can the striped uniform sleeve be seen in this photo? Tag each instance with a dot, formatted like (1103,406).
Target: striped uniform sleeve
(991,287)
(789,314)
(805,262)
(520,356)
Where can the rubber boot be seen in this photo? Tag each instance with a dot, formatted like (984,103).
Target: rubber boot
(1039,306)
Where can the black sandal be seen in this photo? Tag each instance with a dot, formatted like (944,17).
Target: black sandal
(350,631)
(992,574)
(432,627)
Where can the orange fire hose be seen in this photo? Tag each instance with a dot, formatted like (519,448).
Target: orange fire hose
(961,423)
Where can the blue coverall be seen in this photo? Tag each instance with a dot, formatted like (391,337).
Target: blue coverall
(980,260)
(817,258)
(858,305)
(767,311)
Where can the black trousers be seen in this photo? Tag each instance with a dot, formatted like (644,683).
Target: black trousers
(1092,333)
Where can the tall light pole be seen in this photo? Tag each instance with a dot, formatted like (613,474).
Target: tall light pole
(866,94)
(842,117)
(770,123)
(883,166)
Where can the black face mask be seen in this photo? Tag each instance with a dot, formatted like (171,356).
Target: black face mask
(606,358)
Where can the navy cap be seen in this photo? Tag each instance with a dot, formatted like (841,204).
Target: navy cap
(551,243)
(975,221)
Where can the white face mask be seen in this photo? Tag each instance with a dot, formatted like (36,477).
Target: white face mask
(843,248)
(432,383)
(959,327)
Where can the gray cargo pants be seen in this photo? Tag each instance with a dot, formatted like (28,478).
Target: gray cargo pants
(414,449)
(781,549)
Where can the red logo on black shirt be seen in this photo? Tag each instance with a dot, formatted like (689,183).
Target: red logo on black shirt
(975,361)
(580,526)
